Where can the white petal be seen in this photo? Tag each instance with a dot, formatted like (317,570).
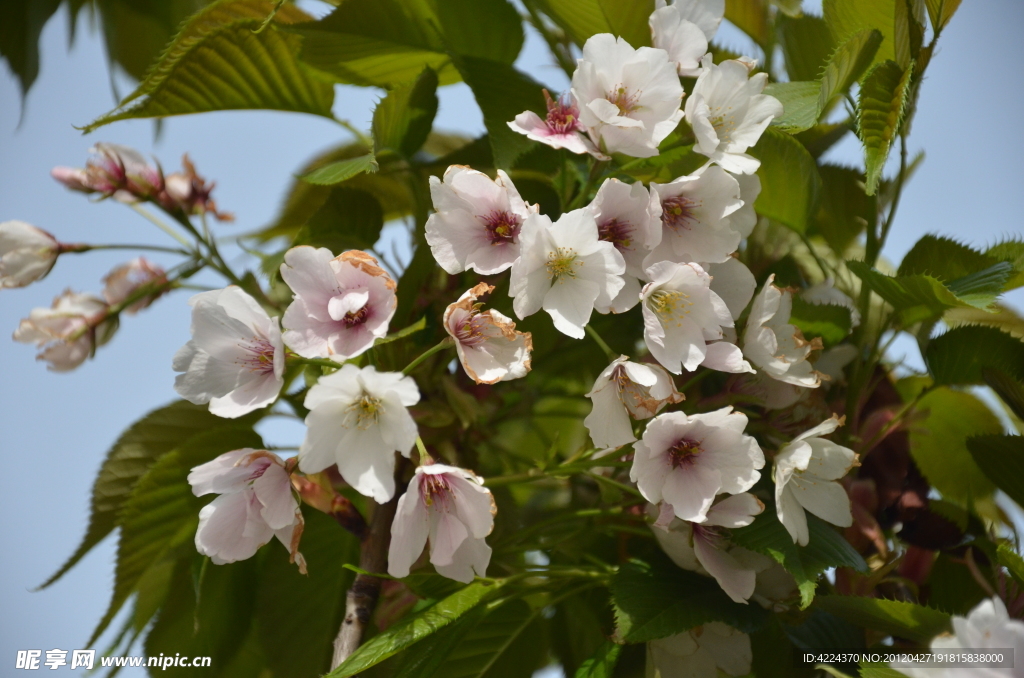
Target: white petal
(736,581)
(409,532)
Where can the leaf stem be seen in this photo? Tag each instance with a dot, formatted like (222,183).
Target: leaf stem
(82,248)
(441,345)
(612,355)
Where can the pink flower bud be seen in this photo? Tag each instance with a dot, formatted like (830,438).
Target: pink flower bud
(27,253)
(69,331)
(125,280)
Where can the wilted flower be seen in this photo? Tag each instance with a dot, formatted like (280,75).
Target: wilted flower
(235,359)
(728,113)
(687,461)
(775,346)
(190,193)
(477,222)
(489,347)
(452,508)
(255,505)
(358,420)
(127,279)
(341,305)
(565,270)
(27,253)
(628,98)
(684,41)
(560,129)
(805,473)
(623,390)
(69,331)
(114,170)
(701,652)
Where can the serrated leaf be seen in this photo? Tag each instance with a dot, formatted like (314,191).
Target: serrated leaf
(657,599)
(19,37)
(628,20)
(908,35)
(216,62)
(897,618)
(941,11)
(602,664)
(846,17)
(943,258)
(959,356)
(483,29)
(846,64)
(1012,561)
(751,17)
(996,315)
(828,321)
(806,46)
(939,444)
(790,185)
(981,289)
(1011,251)
(846,210)
(402,120)
(1009,390)
(883,101)
(348,220)
(1001,458)
(799,105)
(138,448)
(337,172)
(915,297)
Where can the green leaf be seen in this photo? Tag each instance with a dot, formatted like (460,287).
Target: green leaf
(580,19)
(657,599)
(1010,390)
(1011,251)
(402,119)
(939,444)
(879,670)
(799,105)
(944,258)
(1012,561)
(846,17)
(1001,458)
(751,17)
(483,29)
(628,20)
(845,209)
(130,458)
(959,356)
(915,297)
(216,62)
(341,170)
(415,627)
(602,664)
(828,321)
(909,35)
(981,289)
(806,45)
(941,11)
(846,64)
(19,37)
(883,101)
(790,185)
(349,220)
(826,548)
(893,617)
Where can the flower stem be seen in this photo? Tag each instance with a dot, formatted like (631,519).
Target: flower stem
(612,355)
(82,248)
(441,345)
(162,226)
(321,362)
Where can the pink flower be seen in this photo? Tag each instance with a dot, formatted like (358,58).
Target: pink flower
(69,331)
(560,129)
(341,306)
(255,505)
(450,507)
(489,347)
(114,171)
(190,193)
(127,279)
(623,390)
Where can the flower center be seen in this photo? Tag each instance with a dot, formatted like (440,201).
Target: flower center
(366,410)
(435,488)
(563,116)
(618,233)
(562,263)
(677,212)
(667,304)
(502,227)
(469,331)
(627,102)
(353,318)
(259,356)
(630,393)
(684,453)
(724,127)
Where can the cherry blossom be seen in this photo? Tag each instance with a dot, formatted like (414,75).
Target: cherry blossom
(127,279)
(341,306)
(358,420)
(706,14)
(561,127)
(684,41)
(629,98)
(701,652)
(114,171)
(566,270)
(27,254)
(452,509)
(729,113)
(477,222)
(489,347)
(806,471)
(775,346)
(688,460)
(190,193)
(744,219)
(626,389)
(69,331)
(255,505)
(235,360)
(734,283)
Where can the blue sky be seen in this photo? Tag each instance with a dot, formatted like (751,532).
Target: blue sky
(57,427)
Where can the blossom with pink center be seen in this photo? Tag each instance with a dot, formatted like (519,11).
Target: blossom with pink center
(27,253)
(128,279)
(235,360)
(688,460)
(626,389)
(489,347)
(69,331)
(452,509)
(561,127)
(341,305)
(477,222)
(114,171)
(255,505)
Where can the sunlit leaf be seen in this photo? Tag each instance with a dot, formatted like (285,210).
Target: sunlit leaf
(846,17)
(402,120)
(846,64)
(799,105)
(959,356)
(883,100)
(790,185)
(941,11)
(341,170)
(806,45)
(894,617)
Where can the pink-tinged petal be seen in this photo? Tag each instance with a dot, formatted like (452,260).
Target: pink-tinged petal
(224,531)
(408,532)
(735,511)
(737,582)
(470,560)
(274,490)
(691,490)
(289,536)
(726,357)
(446,533)
(474,506)
(252,395)
(730,648)
(221,475)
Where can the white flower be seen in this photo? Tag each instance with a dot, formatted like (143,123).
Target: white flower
(687,461)
(684,41)
(704,547)
(744,219)
(561,127)
(626,218)
(682,315)
(695,217)
(235,360)
(127,279)
(805,473)
(489,347)
(728,113)
(565,270)
(27,253)
(114,170)
(255,505)
(826,293)
(476,226)
(358,420)
(700,653)
(341,306)
(734,283)
(623,390)
(629,98)
(775,346)
(707,14)
(69,331)
(987,626)
(450,507)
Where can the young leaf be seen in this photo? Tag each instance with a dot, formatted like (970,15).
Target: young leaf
(19,38)
(897,618)
(915,297)
(1012,561)
(628,20)
(909,35)
(402,119)
(961,355)
(751,17)
(944,258)
(1011,251)
(1010,390)
(602,664)
(799,105)
(828,321)
(941,11)
(790,185)
(1001,458)
(847,64)
(846,17)
(580,19)
(883,100)
(341,170)
(806,45)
